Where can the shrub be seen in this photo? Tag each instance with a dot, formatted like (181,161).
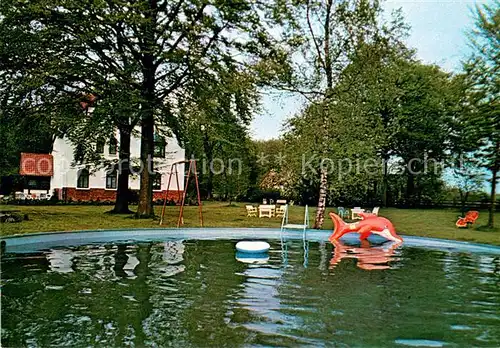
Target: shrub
(13,217)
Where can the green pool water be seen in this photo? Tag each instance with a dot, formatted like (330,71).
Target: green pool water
(196,293)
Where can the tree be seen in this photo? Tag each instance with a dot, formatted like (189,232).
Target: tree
(416,106)
(482,73)
(348,155)
(468,177)
(30,120)
(215,124)
(374,79)
(423,124)
(112,109)
(391,110)
(30,135)
(32,111)
(331,32)
(371,82)
(124,116)
(270,154)
(155,48)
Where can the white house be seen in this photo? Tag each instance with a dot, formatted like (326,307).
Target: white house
(55,173)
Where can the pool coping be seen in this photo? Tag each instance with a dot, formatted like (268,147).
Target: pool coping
(44,240)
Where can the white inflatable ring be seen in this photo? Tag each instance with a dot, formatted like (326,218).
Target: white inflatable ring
(252,247)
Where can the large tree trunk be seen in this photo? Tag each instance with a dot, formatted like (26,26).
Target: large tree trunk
(410,188)
(463,200)
(328,69)
(145,207)
(210,157)
(384,183)
(494,175)
(122,192)
(491,217)
(320,212)
(210,185)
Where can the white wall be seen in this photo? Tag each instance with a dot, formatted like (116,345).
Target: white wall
(66,175)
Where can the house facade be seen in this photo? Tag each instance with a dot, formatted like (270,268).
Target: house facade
(61,174)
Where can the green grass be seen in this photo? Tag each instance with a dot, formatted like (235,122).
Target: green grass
(438,223)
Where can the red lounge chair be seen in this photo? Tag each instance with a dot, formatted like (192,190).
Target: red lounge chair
(470,218)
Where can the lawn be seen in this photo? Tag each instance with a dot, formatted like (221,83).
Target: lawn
(438,223)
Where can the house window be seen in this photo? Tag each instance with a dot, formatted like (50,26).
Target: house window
(83,179)
(38,183)
(79,153)
(157,181)
(159,146)
(99,146)
(111,179)
(113,144)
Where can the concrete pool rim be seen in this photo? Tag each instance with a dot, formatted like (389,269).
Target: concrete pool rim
(45,240)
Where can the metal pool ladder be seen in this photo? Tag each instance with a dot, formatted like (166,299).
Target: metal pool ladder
(285,225)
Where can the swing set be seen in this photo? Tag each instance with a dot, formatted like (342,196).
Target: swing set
(173,170)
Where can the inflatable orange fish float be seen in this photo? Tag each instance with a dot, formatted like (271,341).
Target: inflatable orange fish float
(371,223)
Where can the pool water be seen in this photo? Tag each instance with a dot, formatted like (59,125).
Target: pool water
(197,293)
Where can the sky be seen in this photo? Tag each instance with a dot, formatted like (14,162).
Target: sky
(438,33)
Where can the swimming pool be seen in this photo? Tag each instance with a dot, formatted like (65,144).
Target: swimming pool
(188,287)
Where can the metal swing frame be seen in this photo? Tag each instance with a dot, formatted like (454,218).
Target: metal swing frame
(173,170)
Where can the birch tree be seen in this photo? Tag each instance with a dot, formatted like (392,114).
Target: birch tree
(331,31)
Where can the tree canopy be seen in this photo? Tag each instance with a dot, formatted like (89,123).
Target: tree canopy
(378,126)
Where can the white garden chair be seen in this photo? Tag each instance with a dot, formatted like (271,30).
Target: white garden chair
(280,211)
(251,211)
(355,213)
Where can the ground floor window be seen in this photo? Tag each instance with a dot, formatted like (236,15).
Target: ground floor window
(38,183)
(83,178)
(111,179)
(157,181)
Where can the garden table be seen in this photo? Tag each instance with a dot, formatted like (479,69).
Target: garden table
(267,210)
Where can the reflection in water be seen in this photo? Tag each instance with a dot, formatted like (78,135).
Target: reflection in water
(124,264)
(196,293)
(60,260)
(368,257)
(259,293)
(173,252)
(284,249)
(252,258)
